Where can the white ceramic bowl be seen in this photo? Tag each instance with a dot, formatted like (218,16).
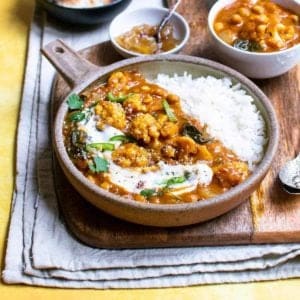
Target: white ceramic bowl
(151,16)
(253,64)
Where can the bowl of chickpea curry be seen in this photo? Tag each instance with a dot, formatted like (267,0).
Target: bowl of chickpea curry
(259,38)
(130,147)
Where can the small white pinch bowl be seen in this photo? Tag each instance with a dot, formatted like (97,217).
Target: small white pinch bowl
(254,64)
(152,16)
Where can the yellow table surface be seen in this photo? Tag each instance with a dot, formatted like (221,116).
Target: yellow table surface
(15,16)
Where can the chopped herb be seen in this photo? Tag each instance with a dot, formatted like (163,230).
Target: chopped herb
(122,138)
(175,180)
(99,165)
(74,102)
(148,193)
(195,134)
(247,45)
(76,116)
(100,146)
(169,111)
(113,98)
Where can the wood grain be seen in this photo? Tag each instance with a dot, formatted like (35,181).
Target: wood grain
(270,215)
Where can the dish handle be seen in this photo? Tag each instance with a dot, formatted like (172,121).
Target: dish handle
(69,64)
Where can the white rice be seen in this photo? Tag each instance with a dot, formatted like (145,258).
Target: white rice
(229,113)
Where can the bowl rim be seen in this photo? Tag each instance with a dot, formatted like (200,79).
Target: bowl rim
(214,10)
(115,2)
(132,53)
(259,172)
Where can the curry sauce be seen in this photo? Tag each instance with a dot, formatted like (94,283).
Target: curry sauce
(143,132)
(258,26)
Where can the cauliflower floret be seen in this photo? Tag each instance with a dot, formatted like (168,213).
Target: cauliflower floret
(134,103)
(144,127)
(131,155)
(111,113)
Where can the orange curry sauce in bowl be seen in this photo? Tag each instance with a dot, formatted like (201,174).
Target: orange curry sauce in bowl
(135,129)
(258,26)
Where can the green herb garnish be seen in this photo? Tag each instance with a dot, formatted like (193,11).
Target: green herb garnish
(175,180)
(169,111)
(74,102)
(148,193)
(100,146)
(99,165)
(195,134)
(113,98)
(122,138)
(247,45)
(76,116)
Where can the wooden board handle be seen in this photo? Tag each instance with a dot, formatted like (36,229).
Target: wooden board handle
(72,67)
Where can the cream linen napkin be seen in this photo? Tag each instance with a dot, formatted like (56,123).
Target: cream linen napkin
(40,251)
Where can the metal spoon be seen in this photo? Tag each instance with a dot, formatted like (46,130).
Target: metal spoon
(164,22)
(289,176)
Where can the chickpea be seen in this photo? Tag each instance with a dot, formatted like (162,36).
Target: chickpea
(117,80)
(280,27)
(236,19)
(253,35)
(244,12)
(219,26)
(289,33)
(147,99)
(154,200)
(160,92)
(261,19)
(294,18)
(275,43)
(145,88)
(105,185)
(228,36)
(172,98)
(169,129)
(258,9)
(261,29)
(191,198)
(139,198)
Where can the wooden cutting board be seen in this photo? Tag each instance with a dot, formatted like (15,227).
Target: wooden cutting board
(269,216)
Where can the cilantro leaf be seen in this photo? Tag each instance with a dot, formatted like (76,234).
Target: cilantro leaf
(175,180)
(147,192)
(77,116)
(99,165)
(74,102)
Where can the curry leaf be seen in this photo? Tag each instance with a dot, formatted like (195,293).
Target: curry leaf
(247,45)
(195,134)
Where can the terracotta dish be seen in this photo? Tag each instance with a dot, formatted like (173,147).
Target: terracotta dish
(79,73)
